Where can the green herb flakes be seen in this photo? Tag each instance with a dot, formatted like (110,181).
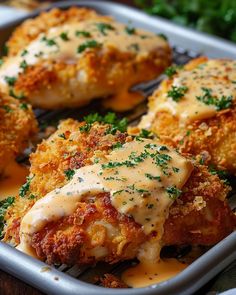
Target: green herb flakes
(69,173)
(87,45)
(173,192)
(103,27)
(176,93)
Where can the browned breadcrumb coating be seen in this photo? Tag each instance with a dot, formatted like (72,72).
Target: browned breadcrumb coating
(96,230)
(214,139)
(67,148)
(70,78)
(17,126)
(31,28)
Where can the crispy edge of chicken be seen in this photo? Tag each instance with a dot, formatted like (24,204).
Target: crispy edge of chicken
(96,230)
(213,139)
(105,75)
(17,126)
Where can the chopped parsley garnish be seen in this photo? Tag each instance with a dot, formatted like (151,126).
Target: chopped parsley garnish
(173,192)
(224,102)
(24,106)
(24,52)
(25,187)
(103,27)
(144,133)
(111,165)
(117,192)
(152,177)
(4,204)
(117,145)
(188,132)
(7,108)
(5,50)
(69,173)
(83,33)
(64,36)
(88,44)
(62,135)
(130,30)
(221,173)
(163,36)
(31,197)
(176,93)
(175,169)
(162,160)
(17,96)
(23,65)
(10,80)
(49,42)
(172,70)
(110,118)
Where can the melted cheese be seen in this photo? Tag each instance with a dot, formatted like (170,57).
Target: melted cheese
(142,177)
(52,46)
(145,274)
(219,76)
(14,177)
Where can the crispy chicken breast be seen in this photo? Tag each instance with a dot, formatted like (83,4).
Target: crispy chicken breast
(66,58)
(195,111)
(96,230)
(17,125)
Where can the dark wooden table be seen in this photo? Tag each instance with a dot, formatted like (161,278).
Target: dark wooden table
(12,286)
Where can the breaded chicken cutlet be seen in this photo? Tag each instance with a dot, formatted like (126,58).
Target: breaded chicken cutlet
(17,126)
(96,194)
(66,58)
(195,109)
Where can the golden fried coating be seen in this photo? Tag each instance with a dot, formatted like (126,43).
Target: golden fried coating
(67,149)
(96,230)
(17,125)
(209,132)
(66,58)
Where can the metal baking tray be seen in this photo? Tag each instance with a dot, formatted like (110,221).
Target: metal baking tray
(61,280)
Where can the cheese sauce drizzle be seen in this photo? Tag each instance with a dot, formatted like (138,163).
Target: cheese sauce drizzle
(143,179)
(68,43)
(203,91)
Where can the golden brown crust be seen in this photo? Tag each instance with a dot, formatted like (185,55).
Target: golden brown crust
(31,28)
(57,82)
(67,148)
(213,138)
(96,231)
(17,125)
(201,216)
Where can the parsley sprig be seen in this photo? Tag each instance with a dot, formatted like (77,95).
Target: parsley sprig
(224,102)
(171,71)
(88,44)
(110,118)
(4,204)
(176,93)
(103,27)
(173,192)
(25,187)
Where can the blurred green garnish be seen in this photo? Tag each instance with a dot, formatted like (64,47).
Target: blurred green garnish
(216,17)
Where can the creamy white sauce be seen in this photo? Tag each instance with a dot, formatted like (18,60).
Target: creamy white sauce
(65,50)
(142,178)
(217,75)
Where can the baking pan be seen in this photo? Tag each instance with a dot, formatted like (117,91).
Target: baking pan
(74,280)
